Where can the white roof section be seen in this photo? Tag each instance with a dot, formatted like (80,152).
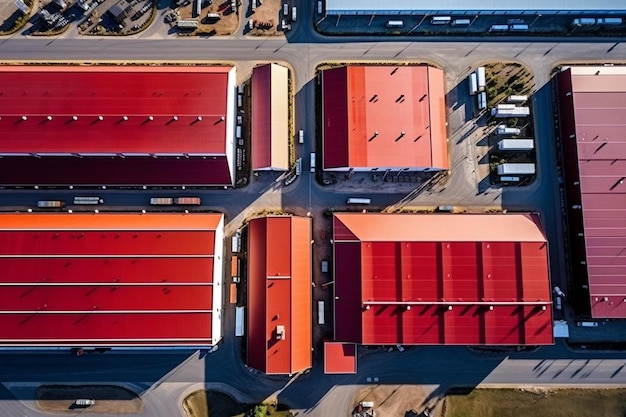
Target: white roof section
(463,6)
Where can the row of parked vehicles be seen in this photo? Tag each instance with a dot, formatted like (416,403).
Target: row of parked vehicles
(93,200)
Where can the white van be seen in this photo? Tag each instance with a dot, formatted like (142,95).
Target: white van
(499,28)
(301,136)
(359,200)
(293,13)
(584,21)
(519,28)
(461,22)
(441,20)
(395,24)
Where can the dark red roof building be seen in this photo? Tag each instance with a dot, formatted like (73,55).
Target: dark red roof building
(117,125)
(111,279)
(592,115)
(384,117)
(441,279)
(279,294)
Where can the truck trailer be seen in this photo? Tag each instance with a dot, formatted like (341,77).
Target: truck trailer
(516,169)
(516,145)
(513,112)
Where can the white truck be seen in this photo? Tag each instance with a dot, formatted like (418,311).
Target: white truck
(503,130)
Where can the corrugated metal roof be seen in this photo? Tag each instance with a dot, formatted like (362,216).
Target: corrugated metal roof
(115,110)
(599,100)
(390,117)
(109,279)
(279,294)
(115,171)
(334,6)
(113,92)
(373,227)
(270,117)
(340,358)
(418,287)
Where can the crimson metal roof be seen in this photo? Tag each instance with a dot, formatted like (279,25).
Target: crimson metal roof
(340,358)
(425,287)
(597,119)
(112,112)
(109,279)
(384,116)
(279,294)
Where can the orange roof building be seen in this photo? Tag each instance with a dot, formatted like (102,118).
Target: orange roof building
(270,118)
(279,294)
(441,279)
(384,117)
(110,280)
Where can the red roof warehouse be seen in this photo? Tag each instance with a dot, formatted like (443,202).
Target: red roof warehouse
(592,113)
(441,279)
(279,294)
(117,125)
(384,117)
(110,279)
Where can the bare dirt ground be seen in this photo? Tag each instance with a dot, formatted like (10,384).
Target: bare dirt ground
(267,17)
(109,399)
(394,400)
(226,25)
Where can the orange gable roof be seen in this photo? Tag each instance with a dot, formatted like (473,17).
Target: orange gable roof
(395,117)
(279,294)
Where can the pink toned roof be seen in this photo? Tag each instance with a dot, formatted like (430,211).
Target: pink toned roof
(270,117)
(443,227)
(113,92)
(400,285)
(599,101)
(340,358)
(279,294)
(107,279)
(362,100)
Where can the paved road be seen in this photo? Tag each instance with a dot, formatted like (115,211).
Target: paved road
(165,378)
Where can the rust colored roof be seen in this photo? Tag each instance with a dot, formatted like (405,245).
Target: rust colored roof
(111,111)
(279,294)
(384,116)
(109,279)
(270,117)
(598,96)
(340,358)
(436,279)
